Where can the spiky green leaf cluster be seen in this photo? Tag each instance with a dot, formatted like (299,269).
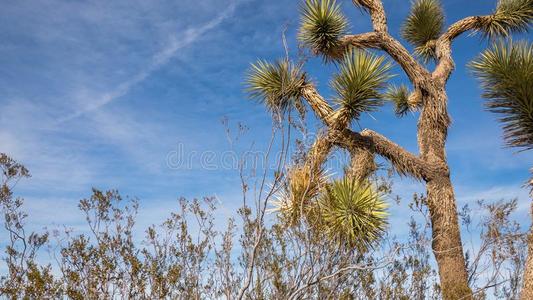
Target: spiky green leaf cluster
(353,213)
(322,25)
(276,85)
(362,75)
(424,23)
(399,96)
(506,74)
(510,16)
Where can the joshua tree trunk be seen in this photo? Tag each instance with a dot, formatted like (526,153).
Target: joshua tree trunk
(527,288)
(447,245)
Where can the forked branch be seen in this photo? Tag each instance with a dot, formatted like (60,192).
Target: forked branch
(381,39)
(444,43)
(509,16)
(403,161)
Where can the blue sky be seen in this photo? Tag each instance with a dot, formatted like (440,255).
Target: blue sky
(100,93)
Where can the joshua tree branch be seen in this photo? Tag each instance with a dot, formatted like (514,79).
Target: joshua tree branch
(362,164)
(464,25)
(322,146)
(320,106)
(381,39)
(362,159)
(318,153)
(363,40)
(416,73)
(444,43)
(402,160)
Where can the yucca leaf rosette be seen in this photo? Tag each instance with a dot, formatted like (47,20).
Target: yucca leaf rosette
(403,100)
(424,23)
(321,27)
(510,16)
(506,74)
(358,85)
(276,85)
(353,213)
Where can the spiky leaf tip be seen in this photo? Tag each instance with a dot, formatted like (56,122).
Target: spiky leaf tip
(321,27)
(426,52)
(506,74)
(353,213)
(399,96)
(360,4)
(363,5)
(510,16)
(424,23)
(362,75)
(276,85)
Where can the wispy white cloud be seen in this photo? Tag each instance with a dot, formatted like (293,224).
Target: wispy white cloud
(158,60)
(55,162)
(60,157)
(468,195)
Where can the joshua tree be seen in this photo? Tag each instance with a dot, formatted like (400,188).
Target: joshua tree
(361,86)
(506,74)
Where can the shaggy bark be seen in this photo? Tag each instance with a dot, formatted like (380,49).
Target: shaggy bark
(527,288)
(322,146)
(404,162)
(318,153)
(362,164)
(320,106)
(447,246)
(334,120)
